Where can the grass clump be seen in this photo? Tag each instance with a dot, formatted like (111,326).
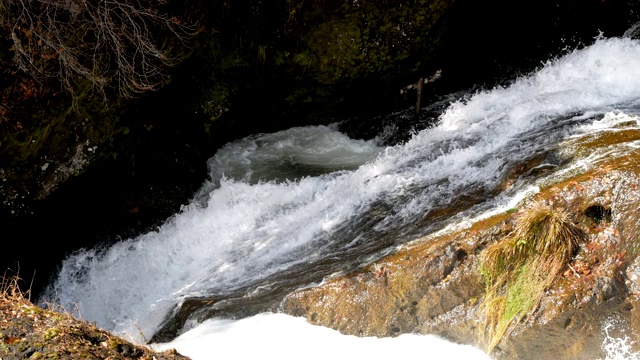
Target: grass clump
(521,266)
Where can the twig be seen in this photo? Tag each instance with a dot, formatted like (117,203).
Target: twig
(574,270)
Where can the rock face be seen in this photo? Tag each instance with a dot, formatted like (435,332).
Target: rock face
(433,285)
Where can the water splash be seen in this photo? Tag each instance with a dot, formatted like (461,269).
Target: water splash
(617,348)
(288,155)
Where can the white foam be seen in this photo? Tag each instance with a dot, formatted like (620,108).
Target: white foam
(278,336)
(289,154)
(618,347)
(610,121)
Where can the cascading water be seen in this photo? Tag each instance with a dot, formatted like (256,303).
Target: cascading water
(285,210)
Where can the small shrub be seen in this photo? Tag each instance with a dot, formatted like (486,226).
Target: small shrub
(521,266)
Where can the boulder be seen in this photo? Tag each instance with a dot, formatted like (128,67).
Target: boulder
(434,285)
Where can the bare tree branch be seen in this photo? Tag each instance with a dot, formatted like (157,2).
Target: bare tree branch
(119,43)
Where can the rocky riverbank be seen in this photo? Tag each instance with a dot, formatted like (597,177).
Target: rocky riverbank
(434,285)
(31,332)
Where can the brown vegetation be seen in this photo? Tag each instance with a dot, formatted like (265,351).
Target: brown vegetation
(30,332)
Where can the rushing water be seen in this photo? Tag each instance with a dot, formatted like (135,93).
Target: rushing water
(285,210)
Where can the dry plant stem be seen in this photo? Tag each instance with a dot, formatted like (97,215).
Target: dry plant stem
(103,41)
(10,285)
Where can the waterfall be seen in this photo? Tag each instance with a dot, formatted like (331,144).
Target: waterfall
(294,201)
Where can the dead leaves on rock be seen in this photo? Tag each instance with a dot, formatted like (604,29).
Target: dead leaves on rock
(30,331)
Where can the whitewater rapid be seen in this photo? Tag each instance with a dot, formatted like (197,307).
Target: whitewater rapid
(283,201)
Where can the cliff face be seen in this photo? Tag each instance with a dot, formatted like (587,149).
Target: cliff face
(434,285)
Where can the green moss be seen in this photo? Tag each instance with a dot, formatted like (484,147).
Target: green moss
(53,124)
(114,343)
(35,310)
(521,296)
(369,37)
(51,333)
(219,98)
(23,346)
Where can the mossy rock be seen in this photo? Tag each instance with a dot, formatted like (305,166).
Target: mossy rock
(374,39)
(36,333)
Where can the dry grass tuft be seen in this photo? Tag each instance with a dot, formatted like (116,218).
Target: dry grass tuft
(10,287)
(522,265)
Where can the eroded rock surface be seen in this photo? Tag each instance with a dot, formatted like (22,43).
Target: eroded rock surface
(433,285)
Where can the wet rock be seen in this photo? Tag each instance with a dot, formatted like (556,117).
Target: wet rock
(402,293)
(633,276)
(433,285)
